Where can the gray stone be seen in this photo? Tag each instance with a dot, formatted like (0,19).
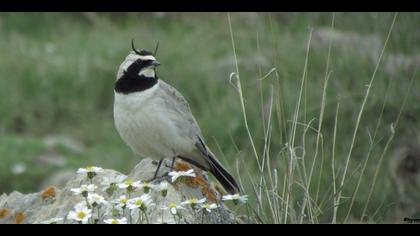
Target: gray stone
(58,179)
(52,203)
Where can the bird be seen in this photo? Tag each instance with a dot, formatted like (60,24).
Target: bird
(155,120)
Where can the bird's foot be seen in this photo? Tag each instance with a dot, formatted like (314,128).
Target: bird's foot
(164,177)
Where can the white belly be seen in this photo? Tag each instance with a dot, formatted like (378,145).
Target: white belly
(146,127)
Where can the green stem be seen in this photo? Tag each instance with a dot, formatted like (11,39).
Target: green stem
(99,215)
(146,217)
(202,217)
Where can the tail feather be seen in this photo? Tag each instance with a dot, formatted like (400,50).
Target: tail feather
(223,176)
(218,171)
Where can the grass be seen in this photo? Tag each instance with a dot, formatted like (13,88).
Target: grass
(280,103)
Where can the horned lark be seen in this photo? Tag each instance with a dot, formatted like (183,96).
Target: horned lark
(155,120)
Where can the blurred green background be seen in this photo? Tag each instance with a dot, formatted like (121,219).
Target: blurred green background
(57,72)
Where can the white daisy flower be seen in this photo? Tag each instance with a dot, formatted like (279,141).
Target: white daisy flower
(236,198)
(96,199)
(110,183)
(56,220)
(113,221)
(80,214)
(93,169)
(193,202)
(146,186)
(177,174)
(129,185)
(172,207)
(142,202)
(209,207)
(84,190)
(114,180)
(121,201)
(162,187)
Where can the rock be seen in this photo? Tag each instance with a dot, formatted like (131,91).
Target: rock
(58,179)
(404,167)
(53,202)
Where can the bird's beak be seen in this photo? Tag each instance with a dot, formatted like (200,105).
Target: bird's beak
(155,63)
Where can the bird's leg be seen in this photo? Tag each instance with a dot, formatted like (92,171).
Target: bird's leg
(173,163)
(166,175)
(157,169)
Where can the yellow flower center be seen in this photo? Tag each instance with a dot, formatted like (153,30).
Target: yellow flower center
(128,182)
(193,200)
(138,202)
(172,205)
(89,168)
(81,215)
(123,200)
(114,222)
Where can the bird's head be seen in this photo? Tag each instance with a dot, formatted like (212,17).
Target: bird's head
(139,63)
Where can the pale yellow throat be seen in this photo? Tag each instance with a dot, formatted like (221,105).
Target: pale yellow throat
(148,72)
